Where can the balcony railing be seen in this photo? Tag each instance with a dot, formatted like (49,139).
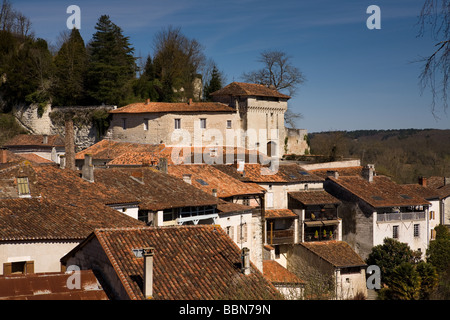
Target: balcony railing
(384,217)
(319,236)
(280,236)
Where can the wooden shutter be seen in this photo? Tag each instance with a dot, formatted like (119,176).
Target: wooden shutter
(29,267)
(7,268)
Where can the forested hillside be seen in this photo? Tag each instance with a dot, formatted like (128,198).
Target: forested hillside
(403,155)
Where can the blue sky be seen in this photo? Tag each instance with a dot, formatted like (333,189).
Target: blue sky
(356,78)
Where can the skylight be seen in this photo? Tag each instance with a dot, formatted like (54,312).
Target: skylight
(377,198)
(405,196)
(304,173)
(202,182)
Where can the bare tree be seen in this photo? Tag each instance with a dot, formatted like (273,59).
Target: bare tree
(435,17)
(14,21)
(277,71)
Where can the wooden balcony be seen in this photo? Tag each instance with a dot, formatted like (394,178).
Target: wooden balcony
(286,236)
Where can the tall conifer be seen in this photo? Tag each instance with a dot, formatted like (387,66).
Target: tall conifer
(112,65)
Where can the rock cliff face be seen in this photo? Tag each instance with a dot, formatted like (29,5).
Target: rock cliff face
(49,120)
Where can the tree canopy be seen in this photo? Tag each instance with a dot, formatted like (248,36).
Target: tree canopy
(112,65)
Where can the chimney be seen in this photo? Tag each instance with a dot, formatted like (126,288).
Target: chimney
(245,261)
(45,139)
(3,155)
(368,172)
(187,178)
(87,172)
(162,165)
(148,272)
(240,165)
(332,173)
(446,181)
(62,161)
(69,145)
(214,192)
(190,101)
(423,181)
(147,101)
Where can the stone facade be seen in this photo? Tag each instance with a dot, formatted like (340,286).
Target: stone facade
(159,128)
(253,121)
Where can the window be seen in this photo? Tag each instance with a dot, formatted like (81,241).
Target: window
(18,267)
(168,215)
(395,232)
(416,230)
(124,123)
(228,124)
(145,124)
(432,216)
(230,231)
(24,186)
(177,123)
(202,123)
(242,233)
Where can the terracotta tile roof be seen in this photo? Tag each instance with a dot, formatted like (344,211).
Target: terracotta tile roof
(438,183)
(168,107)
(229,207)
(280,213)
(423,191)
(207,178)
(61,205)
(346,171)
(50,286)
(248,89)
(285,173)
(126,153)
(153,189)
(277,274)
(190,263)
(337,253)
(381,192)
(135,159)
(35,140)
(40,219)
(435,182)
(314,197)
(34,158)
(109,149)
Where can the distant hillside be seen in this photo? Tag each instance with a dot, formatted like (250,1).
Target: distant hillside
(402,154)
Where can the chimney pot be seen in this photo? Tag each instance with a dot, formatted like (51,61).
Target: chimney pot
(187,178)
(214,192)
(368,172)
(423,181)
(245,256)
(148,272)
(3,155)
(147,101)
(334,174)
(88,169)
(190,101)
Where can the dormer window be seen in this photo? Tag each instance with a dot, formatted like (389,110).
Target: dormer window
(23,186)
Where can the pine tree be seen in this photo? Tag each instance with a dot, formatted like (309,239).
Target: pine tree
(145,87)
(112,65)
(71,64)
(215,83)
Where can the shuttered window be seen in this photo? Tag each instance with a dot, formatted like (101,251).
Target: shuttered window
(23,186)
(20,267)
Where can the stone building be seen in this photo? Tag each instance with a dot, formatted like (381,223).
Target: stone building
(374,207)
(241,115)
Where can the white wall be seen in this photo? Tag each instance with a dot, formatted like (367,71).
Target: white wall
(45,255)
